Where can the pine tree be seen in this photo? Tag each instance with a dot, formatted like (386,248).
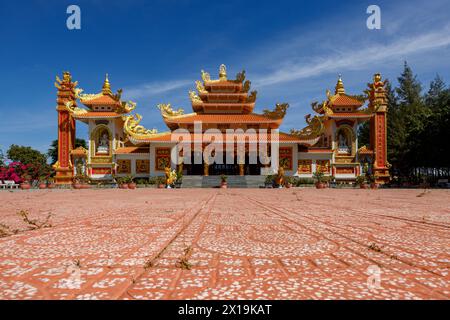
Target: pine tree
(414,113)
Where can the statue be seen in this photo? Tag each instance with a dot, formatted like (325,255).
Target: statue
(171,176)
(103,143)
(342,141)
(279,180)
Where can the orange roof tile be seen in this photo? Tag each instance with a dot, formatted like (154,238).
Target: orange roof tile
(104,100)
(128,150)
(350,115)
(283,137)
(98,114)
(345,100)
(223,118)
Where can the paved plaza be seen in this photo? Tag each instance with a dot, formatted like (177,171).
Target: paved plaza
(225,244)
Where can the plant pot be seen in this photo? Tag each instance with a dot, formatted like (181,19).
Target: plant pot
(42,185)
(51,186)
(364,186)
(132,185)
(288,185)
(123,186)
(374,185)
(320,185)
(160,186)
(85,186)
(77,185)
(25,186)
(223,185)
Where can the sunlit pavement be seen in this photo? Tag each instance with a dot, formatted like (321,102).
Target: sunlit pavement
(226,244)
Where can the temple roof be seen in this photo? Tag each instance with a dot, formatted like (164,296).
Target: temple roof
(97,114)
(106,98)
(132,150)
(173,137)
(222,118)
(223,95)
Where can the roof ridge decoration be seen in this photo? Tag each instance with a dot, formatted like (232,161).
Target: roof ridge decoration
(72,108)
(252,97)
(278,113)
(132,128)
(194,97)
(200,87)
(168,112)
(65,82)
(240,76)
(106,89)
(314,129)
(339,89)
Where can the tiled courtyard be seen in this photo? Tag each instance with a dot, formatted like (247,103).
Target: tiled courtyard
(226,244)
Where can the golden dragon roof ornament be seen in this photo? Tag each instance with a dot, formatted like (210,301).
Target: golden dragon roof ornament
(72,108)
(205,76)
(132,127)
(313,130)
(252,97)
(168,112)
(240,77)
(194,97)
(200,87)
(278,113)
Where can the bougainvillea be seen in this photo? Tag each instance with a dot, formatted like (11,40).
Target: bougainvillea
(14,171)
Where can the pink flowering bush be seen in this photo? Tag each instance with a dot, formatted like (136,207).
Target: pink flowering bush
(14,171)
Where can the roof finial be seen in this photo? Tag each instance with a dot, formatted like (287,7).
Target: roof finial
(222,72)
(106,86)
(339,86)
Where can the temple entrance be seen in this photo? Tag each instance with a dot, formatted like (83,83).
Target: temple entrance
(226,169)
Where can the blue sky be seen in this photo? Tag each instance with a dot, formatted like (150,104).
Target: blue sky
(292,52)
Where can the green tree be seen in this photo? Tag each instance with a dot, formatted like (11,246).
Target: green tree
(26,155)
(2,157)
(414,114)
(53,150)
(434,150)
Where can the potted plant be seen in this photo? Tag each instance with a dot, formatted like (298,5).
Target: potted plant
(50,183)
(25,185)
(371,180)
(361,181)
(223,181)
(268,182)
(319,178)
(122,182)
(179,180)
(42,183)
(289,182)
(161,182)
(131,183)
(77,184)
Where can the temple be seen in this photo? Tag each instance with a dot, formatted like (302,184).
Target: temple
(222,134)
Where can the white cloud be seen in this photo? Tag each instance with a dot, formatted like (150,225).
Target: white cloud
(357,58)
(154,88)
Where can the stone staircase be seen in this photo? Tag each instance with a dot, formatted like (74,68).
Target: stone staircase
(214,181)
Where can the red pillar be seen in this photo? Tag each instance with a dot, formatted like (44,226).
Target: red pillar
(66,129)
(378,129)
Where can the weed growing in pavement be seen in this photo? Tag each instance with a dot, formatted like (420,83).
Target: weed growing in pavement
(34,223)
(6,231)
(183,262)
(374,247)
